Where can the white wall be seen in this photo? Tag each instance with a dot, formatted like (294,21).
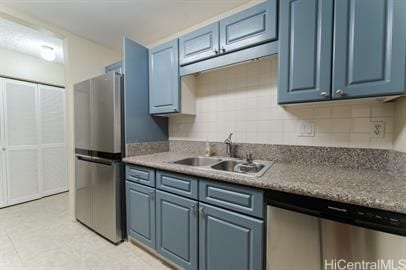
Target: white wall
(206,22)
(400,125)
(23,66)
(243,99)
(83,59)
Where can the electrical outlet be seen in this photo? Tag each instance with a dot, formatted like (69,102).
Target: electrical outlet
(377,129)
(305,129)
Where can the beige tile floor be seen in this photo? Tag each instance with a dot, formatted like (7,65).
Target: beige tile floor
(40,235)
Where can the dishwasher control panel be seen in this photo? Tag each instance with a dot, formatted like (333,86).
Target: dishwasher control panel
(371,218)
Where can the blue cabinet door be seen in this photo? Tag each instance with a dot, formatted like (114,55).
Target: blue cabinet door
(140,207)
(229,240)
(250,27)
(200,44)
(369,48)
(164,91)
(305,48)
(177,231)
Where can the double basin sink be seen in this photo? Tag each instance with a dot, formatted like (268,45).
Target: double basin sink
(237,166)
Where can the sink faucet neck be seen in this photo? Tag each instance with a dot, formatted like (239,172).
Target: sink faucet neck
(228,142)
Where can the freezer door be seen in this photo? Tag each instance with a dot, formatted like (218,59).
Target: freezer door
(105,113)
(355,244)
(84,168)
(82,115)
(106,199)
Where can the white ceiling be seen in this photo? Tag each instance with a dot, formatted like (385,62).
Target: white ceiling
(107,21)
(17,37)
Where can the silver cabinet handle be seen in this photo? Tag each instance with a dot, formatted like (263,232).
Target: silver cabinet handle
(151,195)
(216,51)
(201,211)
(324,94)
(340,92)
(194,208)
(223,50)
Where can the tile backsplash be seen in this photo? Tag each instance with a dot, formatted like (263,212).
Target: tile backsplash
(242,99)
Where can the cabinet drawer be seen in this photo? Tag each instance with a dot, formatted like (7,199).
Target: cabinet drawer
(142,175)
(241,199)
(180,184)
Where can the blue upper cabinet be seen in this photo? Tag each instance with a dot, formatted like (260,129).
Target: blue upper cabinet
(139,125)
(305,48)
(200,44)
(250,27)
(164,90)
(369,48)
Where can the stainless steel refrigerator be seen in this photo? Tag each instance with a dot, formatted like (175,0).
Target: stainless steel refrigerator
(98,149)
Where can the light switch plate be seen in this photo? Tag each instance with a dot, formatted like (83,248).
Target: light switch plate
(377,129)
(305,129)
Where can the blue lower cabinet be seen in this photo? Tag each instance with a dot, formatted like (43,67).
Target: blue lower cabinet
(177,229)
(229,240)
(140,202)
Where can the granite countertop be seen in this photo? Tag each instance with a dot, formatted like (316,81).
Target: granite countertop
(363,187)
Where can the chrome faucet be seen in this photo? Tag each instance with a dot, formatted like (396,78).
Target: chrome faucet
(229,144)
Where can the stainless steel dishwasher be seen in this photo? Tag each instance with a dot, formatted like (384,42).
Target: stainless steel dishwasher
(305,233)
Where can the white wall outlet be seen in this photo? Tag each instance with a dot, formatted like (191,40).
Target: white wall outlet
(377,129)
(305,129)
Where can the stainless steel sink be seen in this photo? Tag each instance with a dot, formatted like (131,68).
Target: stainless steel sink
(253,169)
(229,165)
(198,161)
(226,165)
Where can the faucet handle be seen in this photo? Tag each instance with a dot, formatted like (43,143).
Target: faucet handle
(228,139)
(249,158)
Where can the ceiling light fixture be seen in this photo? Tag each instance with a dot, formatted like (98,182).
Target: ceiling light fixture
(48,53)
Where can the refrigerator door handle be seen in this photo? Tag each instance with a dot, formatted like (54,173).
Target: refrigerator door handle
(104,161)
(84,158)
(98,160)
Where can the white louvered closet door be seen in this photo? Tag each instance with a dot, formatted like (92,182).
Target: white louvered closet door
(3,187)
(23,172)
(53,141)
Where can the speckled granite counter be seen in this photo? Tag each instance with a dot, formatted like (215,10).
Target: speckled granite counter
(363,187)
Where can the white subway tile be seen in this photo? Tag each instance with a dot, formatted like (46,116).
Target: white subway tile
(361,110)
(359,140)
(382,109)
(360,125)
(322,139)
(243,99)
(290,138)
(340,111)
(290,126)
(322,112)
(276,138)
(340,139)
(322,126)
(340,125)
(276,125)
